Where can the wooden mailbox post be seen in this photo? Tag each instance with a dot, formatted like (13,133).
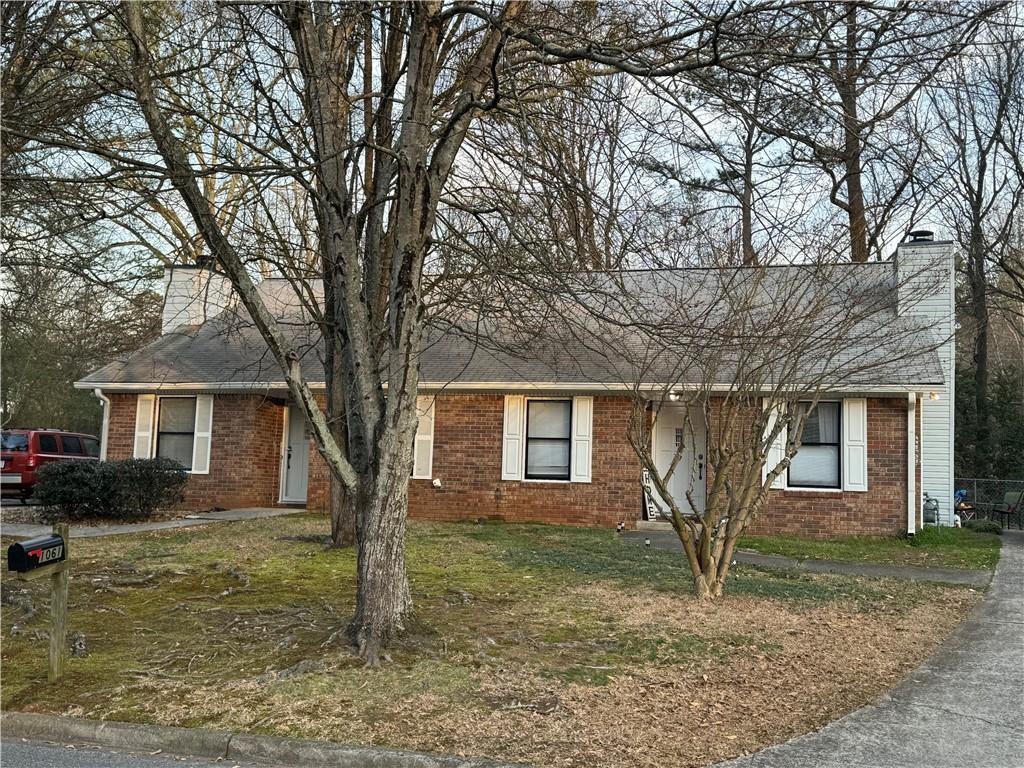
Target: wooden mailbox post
(49,558)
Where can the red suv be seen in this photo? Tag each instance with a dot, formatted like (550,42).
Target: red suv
(24,451)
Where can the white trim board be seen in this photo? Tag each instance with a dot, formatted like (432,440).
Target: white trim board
(499,387)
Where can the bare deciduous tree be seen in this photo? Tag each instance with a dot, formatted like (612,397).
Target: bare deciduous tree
(977,146)
(365,108)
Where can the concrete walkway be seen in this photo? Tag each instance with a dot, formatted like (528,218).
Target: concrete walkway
(28,531)
(669,540)
(963,707)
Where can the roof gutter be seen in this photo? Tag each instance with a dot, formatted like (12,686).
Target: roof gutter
(890,390)
(105,401)
(912,492)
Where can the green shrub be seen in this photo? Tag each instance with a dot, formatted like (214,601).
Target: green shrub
(984,526)
(145,485)
(69,490)
(124,490)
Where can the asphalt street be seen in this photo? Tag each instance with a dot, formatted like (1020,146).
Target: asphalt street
(32,754)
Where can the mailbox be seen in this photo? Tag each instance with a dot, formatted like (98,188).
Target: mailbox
(25,556)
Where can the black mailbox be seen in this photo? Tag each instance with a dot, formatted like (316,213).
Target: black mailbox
(30,554)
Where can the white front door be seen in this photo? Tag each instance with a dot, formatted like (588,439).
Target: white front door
(295,462)
(670,430)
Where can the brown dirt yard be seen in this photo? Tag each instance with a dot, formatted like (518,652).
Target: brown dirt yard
(538,644)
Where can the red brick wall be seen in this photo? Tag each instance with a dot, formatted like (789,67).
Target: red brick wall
(245,450)
(245,469)
(467,460)
(318,483)
(879,510)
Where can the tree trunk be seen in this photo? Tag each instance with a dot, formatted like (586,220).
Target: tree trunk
(847,87)
(747,224)
(747,198)
(701,588)
(342,503)
(383,599)
(708,587)
(343,515)
(855,202)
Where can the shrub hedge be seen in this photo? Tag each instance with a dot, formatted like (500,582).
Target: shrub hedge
(984,526)
(132,489)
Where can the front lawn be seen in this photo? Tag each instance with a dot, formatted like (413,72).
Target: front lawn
(538,644)
(933,546)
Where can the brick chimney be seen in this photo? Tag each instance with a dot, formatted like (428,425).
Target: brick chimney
(192,295)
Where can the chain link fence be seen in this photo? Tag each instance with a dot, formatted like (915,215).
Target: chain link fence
(986,494)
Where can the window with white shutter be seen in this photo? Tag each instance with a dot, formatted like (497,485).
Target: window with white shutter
(582,438)
(143,447)
(203,435)
(547,438)
(423,447)
(818,462)
(513,433)
(777,450)
(176,427)
(855,444)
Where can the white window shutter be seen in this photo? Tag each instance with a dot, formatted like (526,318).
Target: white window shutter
(513,438)
(582,438)
(423,447)
(777,450)
(144,427)
(855,444)
(203,435)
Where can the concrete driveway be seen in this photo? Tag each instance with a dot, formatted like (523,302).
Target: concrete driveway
(963,707)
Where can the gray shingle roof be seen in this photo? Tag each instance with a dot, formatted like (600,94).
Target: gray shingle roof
(655,327)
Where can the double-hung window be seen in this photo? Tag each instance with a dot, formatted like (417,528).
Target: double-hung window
(548,439)
(176,426)
(818,461)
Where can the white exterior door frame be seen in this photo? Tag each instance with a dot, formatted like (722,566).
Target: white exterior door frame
(690,472)
(293,488)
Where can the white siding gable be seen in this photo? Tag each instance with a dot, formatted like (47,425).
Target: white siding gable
(925,274)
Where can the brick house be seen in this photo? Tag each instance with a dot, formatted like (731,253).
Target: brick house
(503,438)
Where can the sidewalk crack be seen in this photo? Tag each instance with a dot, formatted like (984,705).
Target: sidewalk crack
(977,718)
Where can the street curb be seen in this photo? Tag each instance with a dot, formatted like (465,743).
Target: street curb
(325,753)
(108,733)
(199,742)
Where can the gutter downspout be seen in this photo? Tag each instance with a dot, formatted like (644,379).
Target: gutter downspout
(106,421)
(911,462)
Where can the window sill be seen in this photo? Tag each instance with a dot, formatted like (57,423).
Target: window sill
(810,490)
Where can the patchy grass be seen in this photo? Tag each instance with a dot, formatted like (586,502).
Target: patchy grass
(530,643)
(933,546)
